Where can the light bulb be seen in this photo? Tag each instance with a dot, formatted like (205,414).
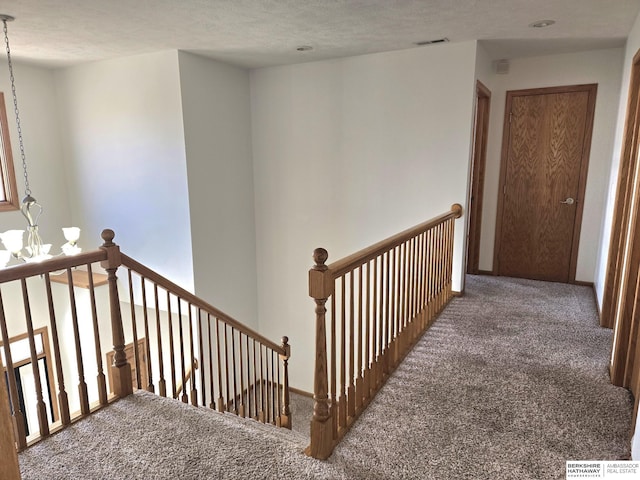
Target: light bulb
(12,241)
(71,234)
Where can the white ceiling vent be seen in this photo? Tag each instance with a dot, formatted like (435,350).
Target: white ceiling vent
(432,42)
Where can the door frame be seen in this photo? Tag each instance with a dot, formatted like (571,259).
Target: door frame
(584,166)
(478,168)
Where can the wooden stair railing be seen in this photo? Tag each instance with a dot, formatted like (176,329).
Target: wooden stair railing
(381,300)
(241,371)
(63,319)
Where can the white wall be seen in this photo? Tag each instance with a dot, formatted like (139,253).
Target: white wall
(599,66)
(39,119)
(217,129)
(348,152)
(124,147)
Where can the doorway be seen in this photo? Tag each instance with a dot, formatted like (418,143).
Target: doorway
(479,160)
(543,172)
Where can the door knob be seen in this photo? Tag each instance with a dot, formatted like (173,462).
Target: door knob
(569,201)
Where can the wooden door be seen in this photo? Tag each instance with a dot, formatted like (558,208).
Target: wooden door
(545,153)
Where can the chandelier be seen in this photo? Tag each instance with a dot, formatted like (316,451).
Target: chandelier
(13,240)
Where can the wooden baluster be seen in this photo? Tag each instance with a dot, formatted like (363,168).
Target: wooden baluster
(412,282)
(212,404)
(424,275)
(435,266)
(387,313)
(428,282)
(248,377)
(321,285)
(162,383)
(100,378)
(202,364)
(334,405)
(275,389)
(263,407)
(342,402)
(285,415)
(278,385)
(82,384)
(134,329)
(270,382)
(361,339)
(16,412)
(434,269)
(145,312)
(393,340)
(407,326)
(255,383)
(192,362)
(120,370)
(367,343)
(221,407)
(424,280)
(185,397)
(9,468)
(233,371)
(269,385)
(402,294)
(377,332)
(395,304)
(415,262)
(241,410)
(63,399)
(441,262)
(226,363)
(445,268)
(172,356)
(351,390)
(41,408)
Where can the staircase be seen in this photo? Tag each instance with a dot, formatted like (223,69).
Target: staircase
(131,329)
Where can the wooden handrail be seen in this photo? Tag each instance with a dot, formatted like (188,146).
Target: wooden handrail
(346,264)
(196,301)
(26,270)
(388,294)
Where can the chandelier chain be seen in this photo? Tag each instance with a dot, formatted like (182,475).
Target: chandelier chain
(27,190)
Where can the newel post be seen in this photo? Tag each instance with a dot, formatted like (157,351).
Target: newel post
(9,468)
(321,287)
(120,370)
(285,417)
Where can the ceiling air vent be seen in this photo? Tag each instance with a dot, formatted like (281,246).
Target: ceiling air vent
(432,42)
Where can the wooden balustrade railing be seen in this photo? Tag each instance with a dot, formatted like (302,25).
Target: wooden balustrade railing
(380,301)
(240,370)
(74,337)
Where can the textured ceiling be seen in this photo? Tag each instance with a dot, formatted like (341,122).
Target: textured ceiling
(255,33)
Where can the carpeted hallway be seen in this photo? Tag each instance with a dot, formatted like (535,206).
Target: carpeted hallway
(509,383)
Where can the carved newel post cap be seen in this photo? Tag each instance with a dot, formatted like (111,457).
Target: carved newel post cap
(285,340)
(457,209)
(320,256)
(108,235)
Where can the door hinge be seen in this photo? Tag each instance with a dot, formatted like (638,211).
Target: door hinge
(510,116)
